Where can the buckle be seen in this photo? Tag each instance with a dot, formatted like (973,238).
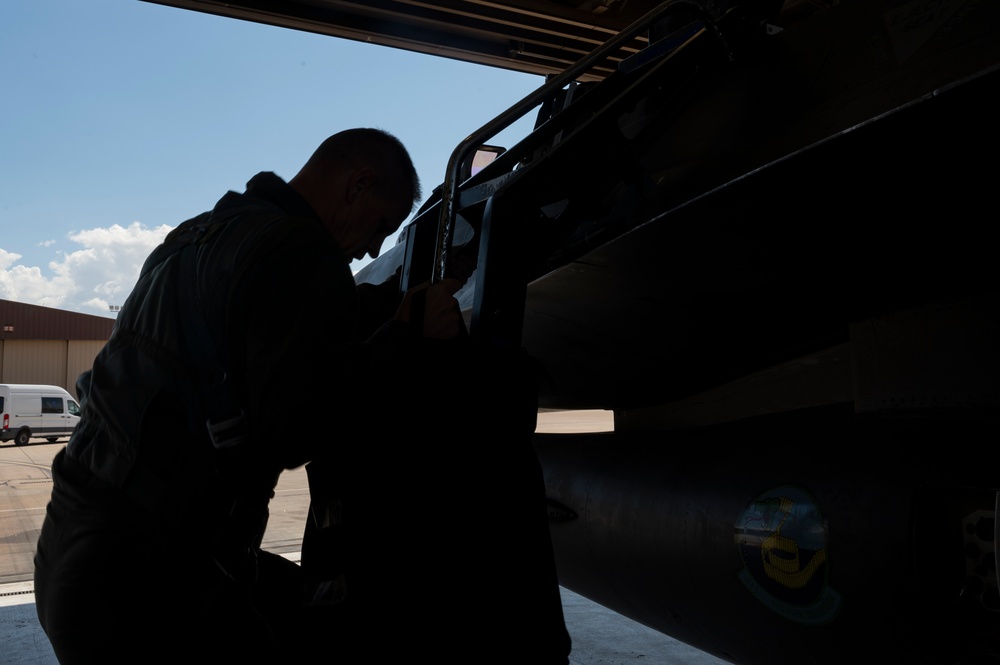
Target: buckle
(227,432)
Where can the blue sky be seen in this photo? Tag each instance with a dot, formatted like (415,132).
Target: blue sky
(121,118)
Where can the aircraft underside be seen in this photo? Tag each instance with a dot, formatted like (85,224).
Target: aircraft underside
(813,537)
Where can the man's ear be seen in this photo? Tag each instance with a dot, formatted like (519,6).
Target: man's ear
(360,180)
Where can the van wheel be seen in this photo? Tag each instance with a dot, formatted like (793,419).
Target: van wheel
(52,439)
(23,436)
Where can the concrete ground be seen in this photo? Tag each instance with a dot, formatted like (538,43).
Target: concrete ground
(600,636)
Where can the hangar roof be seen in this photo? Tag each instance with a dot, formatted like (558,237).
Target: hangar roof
(24,321)
(531,36)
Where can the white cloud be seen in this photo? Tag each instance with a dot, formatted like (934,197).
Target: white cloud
(99,274)
(7,259)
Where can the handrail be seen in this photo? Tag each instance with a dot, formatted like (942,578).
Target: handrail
(449,189)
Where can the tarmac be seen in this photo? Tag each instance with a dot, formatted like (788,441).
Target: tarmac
(600,636)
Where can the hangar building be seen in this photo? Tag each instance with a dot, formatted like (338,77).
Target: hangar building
(48,346)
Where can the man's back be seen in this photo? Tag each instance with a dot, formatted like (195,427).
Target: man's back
(143,461)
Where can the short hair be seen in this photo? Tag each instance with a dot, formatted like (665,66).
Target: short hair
(396,177)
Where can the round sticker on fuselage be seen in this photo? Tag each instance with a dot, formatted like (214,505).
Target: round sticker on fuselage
(782,540)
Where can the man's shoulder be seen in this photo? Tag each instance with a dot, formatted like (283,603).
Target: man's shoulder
(277,229)
(249,232)
(243,218)
(275,246)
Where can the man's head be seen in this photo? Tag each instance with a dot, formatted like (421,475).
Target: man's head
(362,184)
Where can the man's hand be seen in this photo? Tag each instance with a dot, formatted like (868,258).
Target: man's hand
(462,262)
(436,307)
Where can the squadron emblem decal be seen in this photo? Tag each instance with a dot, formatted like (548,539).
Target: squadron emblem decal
(782,540)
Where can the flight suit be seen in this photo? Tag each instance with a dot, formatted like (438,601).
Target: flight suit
(235,319)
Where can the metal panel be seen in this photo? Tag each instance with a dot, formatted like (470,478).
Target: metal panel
(79,358)
(35,362)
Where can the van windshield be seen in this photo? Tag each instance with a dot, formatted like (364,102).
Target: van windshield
(71,406)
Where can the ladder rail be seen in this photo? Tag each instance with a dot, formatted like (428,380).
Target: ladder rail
(449,190)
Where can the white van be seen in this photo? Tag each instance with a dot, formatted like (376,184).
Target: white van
(28,411)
